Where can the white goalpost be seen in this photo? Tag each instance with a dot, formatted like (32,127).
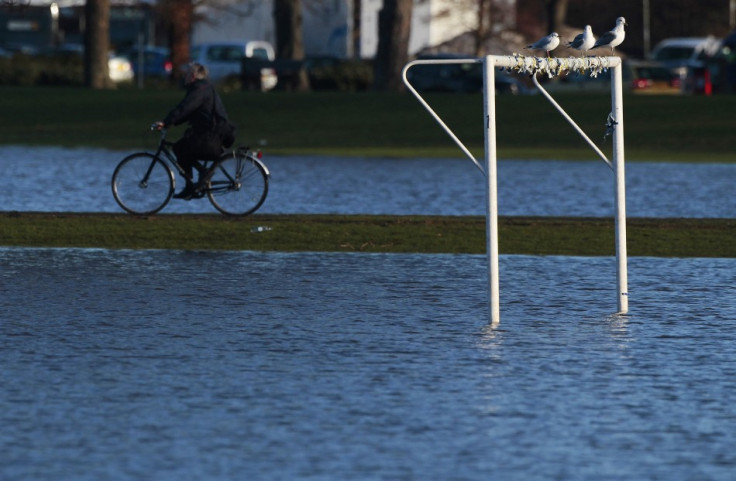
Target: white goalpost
(551,67)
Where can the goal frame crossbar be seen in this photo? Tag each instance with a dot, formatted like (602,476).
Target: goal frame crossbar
(536,66)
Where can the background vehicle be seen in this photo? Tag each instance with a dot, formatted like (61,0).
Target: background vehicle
(119,67)
(150,61)
(460,77)
(716,72)
(224,59)
(639,76)
(652,78)
(678,53)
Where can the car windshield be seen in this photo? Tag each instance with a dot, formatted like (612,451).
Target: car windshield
(674,53)
(225,53)
(260,53)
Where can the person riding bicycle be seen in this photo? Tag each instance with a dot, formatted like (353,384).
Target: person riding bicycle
(202,108)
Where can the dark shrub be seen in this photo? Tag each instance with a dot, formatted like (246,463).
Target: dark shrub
(345,75)
(41,70)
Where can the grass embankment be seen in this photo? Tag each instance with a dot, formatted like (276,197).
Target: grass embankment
(400,234)
(693,129)
(679,128)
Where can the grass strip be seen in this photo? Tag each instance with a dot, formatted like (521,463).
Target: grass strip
(571,236)
(672,128)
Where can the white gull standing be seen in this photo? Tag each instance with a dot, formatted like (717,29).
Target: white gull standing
(548,43)
(614,37)
(583,41)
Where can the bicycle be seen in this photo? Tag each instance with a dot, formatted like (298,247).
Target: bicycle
(236,184)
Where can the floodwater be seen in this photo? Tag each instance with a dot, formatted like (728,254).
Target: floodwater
(172,365)
(185,365)
(78,180)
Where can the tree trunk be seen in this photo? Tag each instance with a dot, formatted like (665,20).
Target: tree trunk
(179,14)
(394,28)
(357,16)
(484,27)
(556,14)
(287,16)
(97,44)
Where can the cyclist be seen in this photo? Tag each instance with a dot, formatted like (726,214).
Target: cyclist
(200,108)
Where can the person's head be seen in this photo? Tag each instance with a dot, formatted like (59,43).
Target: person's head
(195,71)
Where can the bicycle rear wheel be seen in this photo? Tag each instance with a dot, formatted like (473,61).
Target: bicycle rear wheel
(239,185)
(142,184)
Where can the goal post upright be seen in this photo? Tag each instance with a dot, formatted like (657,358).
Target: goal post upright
(489,112)
(551,67)
(617,113)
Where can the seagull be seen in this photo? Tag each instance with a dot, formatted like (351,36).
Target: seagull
(548,43)
(614,37)
(583,41)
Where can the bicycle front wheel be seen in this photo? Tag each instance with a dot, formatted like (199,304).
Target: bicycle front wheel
(142,184)
(239,185)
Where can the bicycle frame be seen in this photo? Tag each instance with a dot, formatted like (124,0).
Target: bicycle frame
(236,183)
(165,148)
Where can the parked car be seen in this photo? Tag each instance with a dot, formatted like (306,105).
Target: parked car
(459,77)
(118,66)
(583,82)
(225,59)
(725,61)
(652,78)
(677,53)
(150,61)
(715,74)
(639,76)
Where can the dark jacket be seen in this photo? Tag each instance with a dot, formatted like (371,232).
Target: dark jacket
(197,107)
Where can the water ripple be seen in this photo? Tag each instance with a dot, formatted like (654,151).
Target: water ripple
(183,365)
(71,180)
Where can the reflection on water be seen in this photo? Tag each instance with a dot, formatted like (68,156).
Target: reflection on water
(69,180)
(173,365)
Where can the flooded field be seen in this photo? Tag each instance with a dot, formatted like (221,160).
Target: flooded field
(78,180)
(172,365)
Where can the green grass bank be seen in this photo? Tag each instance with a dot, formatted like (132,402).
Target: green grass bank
(657,128)
(672,128)
(357,233)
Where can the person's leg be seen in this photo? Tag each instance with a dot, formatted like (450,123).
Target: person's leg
(183,149)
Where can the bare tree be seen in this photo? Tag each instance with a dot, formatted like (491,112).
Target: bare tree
(287,15)
(394,28)
(356,21)
(179,15)
(483,31)
(556,14)
(97,44)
